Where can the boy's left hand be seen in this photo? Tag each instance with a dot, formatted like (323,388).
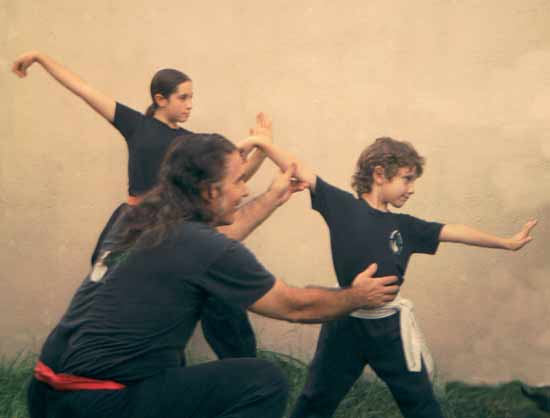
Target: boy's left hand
(522,237)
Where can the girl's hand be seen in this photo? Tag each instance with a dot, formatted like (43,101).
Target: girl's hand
(23,62)
(263,128)
(522,237)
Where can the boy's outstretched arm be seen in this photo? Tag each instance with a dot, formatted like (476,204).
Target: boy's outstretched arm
(281,158)
(470,236)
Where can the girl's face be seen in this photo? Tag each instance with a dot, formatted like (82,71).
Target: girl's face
(177,107)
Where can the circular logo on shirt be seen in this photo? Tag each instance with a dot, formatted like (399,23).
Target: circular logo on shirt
(396,242)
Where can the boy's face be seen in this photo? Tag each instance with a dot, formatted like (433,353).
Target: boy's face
(397,190)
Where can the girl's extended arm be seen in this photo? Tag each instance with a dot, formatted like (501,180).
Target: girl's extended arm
(101,103)
(467,235)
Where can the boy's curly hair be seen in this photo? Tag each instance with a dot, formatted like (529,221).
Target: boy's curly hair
(388,153)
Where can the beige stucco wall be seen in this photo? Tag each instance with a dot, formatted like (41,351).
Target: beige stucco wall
(467,82)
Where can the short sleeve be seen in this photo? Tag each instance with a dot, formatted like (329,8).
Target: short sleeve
(423,235)
(327,198)
(237,277)
(127,120)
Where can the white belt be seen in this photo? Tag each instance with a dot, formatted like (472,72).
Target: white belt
(414,343)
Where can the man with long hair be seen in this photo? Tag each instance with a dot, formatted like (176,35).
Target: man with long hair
(115,352)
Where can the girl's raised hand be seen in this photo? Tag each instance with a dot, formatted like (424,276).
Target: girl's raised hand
(23,62)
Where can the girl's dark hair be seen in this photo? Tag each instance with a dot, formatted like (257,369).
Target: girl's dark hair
(391,155)
(165,82)
(194,163)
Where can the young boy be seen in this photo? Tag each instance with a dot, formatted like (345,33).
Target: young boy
(364,231)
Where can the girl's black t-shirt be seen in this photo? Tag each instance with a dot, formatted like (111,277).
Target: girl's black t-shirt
(148,140)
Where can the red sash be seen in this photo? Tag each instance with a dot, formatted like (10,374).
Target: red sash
(64,381)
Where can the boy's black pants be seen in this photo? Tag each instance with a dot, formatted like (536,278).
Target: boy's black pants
(344,348)
(226,328)
(233,388)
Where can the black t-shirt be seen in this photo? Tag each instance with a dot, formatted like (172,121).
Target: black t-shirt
(361,235)
(136,318)
(147,139)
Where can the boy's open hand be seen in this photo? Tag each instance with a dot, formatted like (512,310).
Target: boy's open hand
(522,237)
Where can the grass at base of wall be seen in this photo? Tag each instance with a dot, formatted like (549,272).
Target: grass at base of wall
(367,398)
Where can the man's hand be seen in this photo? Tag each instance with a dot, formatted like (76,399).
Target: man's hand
(375,291)
(285,185)
(519,240)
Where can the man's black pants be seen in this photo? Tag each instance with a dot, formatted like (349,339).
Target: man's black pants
(233,388)
(344,348)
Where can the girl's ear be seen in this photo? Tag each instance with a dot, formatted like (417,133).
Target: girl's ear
(160,100)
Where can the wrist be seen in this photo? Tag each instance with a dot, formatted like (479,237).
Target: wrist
(38,57)
(507,244)
(353,298)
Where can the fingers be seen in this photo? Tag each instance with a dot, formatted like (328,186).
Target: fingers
(290,172)
(371,270)
(387,280)
(529,225)
(262,121)
(19,69)
(297,185)
(391,290)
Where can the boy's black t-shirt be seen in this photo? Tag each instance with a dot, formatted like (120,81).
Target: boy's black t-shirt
(361,235)
(148,140)
(134,321)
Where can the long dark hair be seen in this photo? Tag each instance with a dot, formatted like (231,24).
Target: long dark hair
(193,163)
(165,82)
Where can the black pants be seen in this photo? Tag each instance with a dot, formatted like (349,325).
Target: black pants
(344,348)
(233,388)
(226,328)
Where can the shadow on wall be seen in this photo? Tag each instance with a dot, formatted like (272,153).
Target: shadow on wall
(506,313)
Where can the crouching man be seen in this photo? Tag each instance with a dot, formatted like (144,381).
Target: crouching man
(116,351)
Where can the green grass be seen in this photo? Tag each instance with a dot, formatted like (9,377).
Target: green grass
(14,376)
(367,399)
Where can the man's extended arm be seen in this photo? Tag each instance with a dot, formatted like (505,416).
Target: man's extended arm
(317,304)
(253,213)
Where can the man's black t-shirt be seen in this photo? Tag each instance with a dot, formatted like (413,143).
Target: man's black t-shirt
(361,235)
(148,140)
(134,320)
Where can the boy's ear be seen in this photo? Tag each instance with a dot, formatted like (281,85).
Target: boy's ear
(378,174)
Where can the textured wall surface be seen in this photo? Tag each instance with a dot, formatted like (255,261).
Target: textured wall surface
(467,82)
